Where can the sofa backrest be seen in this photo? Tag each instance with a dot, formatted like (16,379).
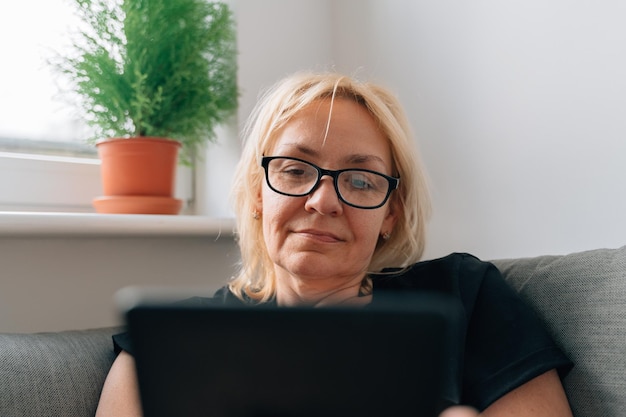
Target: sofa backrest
(581,297)
(54,374)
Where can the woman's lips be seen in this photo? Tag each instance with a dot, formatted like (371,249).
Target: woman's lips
(319,235)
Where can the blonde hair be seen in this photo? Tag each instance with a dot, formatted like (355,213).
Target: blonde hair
(256,279)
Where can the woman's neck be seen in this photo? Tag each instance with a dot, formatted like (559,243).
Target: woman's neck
(293,291)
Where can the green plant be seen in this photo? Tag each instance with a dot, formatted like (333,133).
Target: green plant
(162,68)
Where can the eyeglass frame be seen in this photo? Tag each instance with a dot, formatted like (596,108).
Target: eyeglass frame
(334,174)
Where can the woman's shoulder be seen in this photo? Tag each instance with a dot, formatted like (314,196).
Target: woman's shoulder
(451,271)
(222,296)
(454,259)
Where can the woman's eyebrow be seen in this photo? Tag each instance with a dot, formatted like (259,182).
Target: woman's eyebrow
(349,159)
(303,149)
(364,158)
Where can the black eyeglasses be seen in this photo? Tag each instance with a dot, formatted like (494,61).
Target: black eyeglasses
(360,188)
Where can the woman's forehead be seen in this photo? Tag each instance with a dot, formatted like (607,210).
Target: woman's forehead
(325,123)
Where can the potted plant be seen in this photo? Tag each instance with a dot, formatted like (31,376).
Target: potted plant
(150,74)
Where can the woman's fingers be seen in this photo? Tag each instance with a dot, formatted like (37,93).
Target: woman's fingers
(459,411)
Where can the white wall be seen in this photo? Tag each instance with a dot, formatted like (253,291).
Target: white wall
(276,38)
(518,106)
(52,283)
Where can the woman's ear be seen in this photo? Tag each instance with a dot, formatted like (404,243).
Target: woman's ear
(391,218)
(257,205)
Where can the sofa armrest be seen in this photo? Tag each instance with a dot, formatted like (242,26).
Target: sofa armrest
(581,298)
(54,374)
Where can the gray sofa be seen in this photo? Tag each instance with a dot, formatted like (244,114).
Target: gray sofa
(581,297)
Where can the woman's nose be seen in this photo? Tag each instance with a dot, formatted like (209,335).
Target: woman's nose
(324,199)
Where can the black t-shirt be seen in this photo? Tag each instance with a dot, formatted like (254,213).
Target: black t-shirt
(505,344)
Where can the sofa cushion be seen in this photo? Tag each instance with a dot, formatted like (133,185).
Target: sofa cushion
(581,297)
(54,374)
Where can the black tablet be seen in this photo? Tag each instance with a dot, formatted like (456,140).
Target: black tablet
(387,359)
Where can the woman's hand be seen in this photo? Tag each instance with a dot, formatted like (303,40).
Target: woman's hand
(459,411)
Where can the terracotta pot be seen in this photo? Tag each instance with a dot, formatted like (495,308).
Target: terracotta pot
(138,176)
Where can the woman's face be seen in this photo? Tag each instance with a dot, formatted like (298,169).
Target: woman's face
(317,238)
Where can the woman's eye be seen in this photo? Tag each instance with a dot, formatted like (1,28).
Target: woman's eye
(292,171)
(295,171)
(360,182)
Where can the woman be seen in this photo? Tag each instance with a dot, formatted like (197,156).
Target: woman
(328,193)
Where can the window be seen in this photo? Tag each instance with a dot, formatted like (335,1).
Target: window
(33,118)
(45,164)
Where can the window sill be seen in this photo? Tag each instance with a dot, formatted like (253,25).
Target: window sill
(90,224)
